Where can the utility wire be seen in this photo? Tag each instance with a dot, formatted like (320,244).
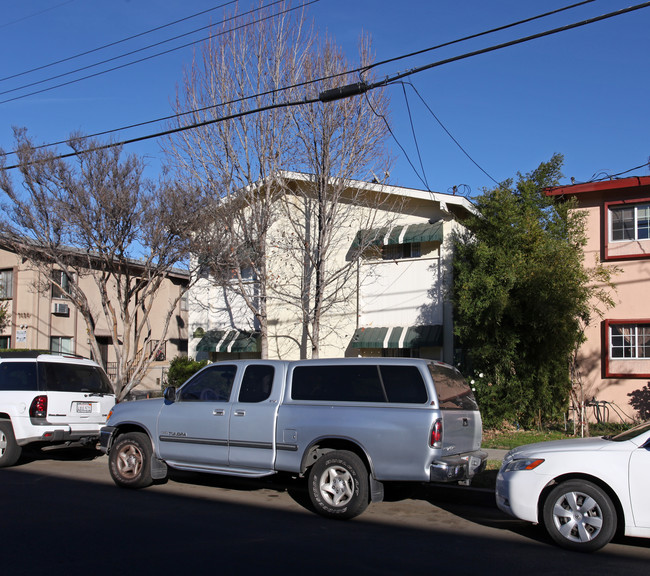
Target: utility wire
(360,70)
(362,87)
(473,36)
(144,59)
(116,42)
(35,14)
(449,133)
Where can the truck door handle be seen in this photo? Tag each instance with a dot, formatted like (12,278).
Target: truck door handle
(218,412)
(240,412)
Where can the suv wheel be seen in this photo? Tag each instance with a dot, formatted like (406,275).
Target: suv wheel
(9,450)
(338,485)
(129,461)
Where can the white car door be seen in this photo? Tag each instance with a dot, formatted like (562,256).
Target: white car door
(639,490)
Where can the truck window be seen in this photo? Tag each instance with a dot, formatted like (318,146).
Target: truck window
(345,383)
(256,383)
(404,384)
(212,384)
(454,393)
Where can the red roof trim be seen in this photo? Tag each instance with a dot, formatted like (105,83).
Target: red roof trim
(606,185)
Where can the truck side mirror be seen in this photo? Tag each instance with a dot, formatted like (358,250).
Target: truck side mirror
(170,394)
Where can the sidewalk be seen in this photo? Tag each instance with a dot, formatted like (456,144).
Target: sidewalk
(495,454)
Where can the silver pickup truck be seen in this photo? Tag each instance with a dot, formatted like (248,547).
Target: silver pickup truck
(347,425)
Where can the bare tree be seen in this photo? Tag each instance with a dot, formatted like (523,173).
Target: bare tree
(235,163)
(338,142)
(97,217)
(240,163)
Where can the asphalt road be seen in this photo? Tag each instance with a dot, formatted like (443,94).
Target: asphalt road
(62,515)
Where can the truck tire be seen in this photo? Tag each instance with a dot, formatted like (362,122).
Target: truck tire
(9,450)
(578,515)
(338,485)
(129,461)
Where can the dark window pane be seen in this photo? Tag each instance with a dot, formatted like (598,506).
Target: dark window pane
(404,384)
(18,376)
(256,383)
(212,384)
(350,383)
(60,377)
(454,393)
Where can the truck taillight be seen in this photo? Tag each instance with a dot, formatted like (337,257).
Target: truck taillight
(436,434)
(38,409)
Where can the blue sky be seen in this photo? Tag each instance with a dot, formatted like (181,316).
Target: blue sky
(583,93)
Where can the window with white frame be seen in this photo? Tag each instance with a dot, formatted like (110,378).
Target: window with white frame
(61,345)
(6,283)
(630,222)
(629,341)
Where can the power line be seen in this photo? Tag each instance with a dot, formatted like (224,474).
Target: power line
(449,133)
(116,42)
(150,57)
(35,14)
(362,87)
(336,92)
(477,35)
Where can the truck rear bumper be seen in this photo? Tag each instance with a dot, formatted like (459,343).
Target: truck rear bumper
(458,467)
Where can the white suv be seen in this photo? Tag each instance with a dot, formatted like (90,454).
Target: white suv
(50,399)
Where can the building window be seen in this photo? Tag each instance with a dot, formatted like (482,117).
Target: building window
(401,251)
(6,283)
(60,284)
(61,345)
(630,222)
(629,341)
(5,342)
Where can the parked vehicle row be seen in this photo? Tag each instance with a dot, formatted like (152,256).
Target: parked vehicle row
(347,426)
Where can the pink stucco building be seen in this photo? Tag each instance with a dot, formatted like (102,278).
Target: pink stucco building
(614,361)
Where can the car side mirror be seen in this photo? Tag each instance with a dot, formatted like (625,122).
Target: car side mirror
(170,394)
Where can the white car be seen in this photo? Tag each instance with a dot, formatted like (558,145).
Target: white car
(583,491)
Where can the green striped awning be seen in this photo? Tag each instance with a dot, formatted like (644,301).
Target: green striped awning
(397,337)
(407,234)
(229,341)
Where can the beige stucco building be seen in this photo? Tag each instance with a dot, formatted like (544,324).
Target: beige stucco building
(393,304)
(615,359)
(39,317)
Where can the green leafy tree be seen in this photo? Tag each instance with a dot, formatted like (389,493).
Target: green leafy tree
(521,295)
(181,368)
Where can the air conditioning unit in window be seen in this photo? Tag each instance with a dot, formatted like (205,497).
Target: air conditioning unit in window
(61,309)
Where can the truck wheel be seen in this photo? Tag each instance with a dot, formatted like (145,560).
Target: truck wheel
(338,485)
(9,450)
(578,515)
(129,461)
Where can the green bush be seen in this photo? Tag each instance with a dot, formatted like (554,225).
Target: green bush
(181,368)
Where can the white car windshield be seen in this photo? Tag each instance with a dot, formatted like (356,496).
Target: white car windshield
(631,433)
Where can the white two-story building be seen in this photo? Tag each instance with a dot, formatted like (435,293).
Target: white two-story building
(394,303)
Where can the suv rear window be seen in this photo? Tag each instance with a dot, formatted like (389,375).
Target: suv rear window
(359,383)
(61,377)
(18,376)
(454,393)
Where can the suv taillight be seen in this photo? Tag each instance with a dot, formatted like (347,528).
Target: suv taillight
(38,409)
(436,434)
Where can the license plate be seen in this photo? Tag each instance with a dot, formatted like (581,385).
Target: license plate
(84,407)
